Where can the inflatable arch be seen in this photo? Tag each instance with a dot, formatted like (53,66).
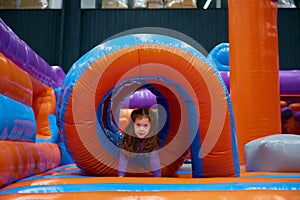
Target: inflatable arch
(194,107)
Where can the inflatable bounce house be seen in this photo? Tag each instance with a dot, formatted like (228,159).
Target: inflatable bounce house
(60,134)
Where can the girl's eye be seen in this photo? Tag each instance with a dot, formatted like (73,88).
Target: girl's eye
(140,125)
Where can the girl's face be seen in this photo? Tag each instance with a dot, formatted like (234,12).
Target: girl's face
(142,127)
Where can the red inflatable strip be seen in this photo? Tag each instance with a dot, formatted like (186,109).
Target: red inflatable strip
(22,159)
(14,82)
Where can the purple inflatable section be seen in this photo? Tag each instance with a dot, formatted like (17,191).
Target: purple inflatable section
(23,56)
(289,81)
(226,78)
(142,98)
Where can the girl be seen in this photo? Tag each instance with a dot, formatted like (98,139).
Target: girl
(140,137)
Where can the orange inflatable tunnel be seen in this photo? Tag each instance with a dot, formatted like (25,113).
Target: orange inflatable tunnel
(193,104)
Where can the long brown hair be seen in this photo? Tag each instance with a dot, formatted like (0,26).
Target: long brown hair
(131,141)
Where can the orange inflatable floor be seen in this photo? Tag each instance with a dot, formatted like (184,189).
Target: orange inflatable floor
(69,182)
